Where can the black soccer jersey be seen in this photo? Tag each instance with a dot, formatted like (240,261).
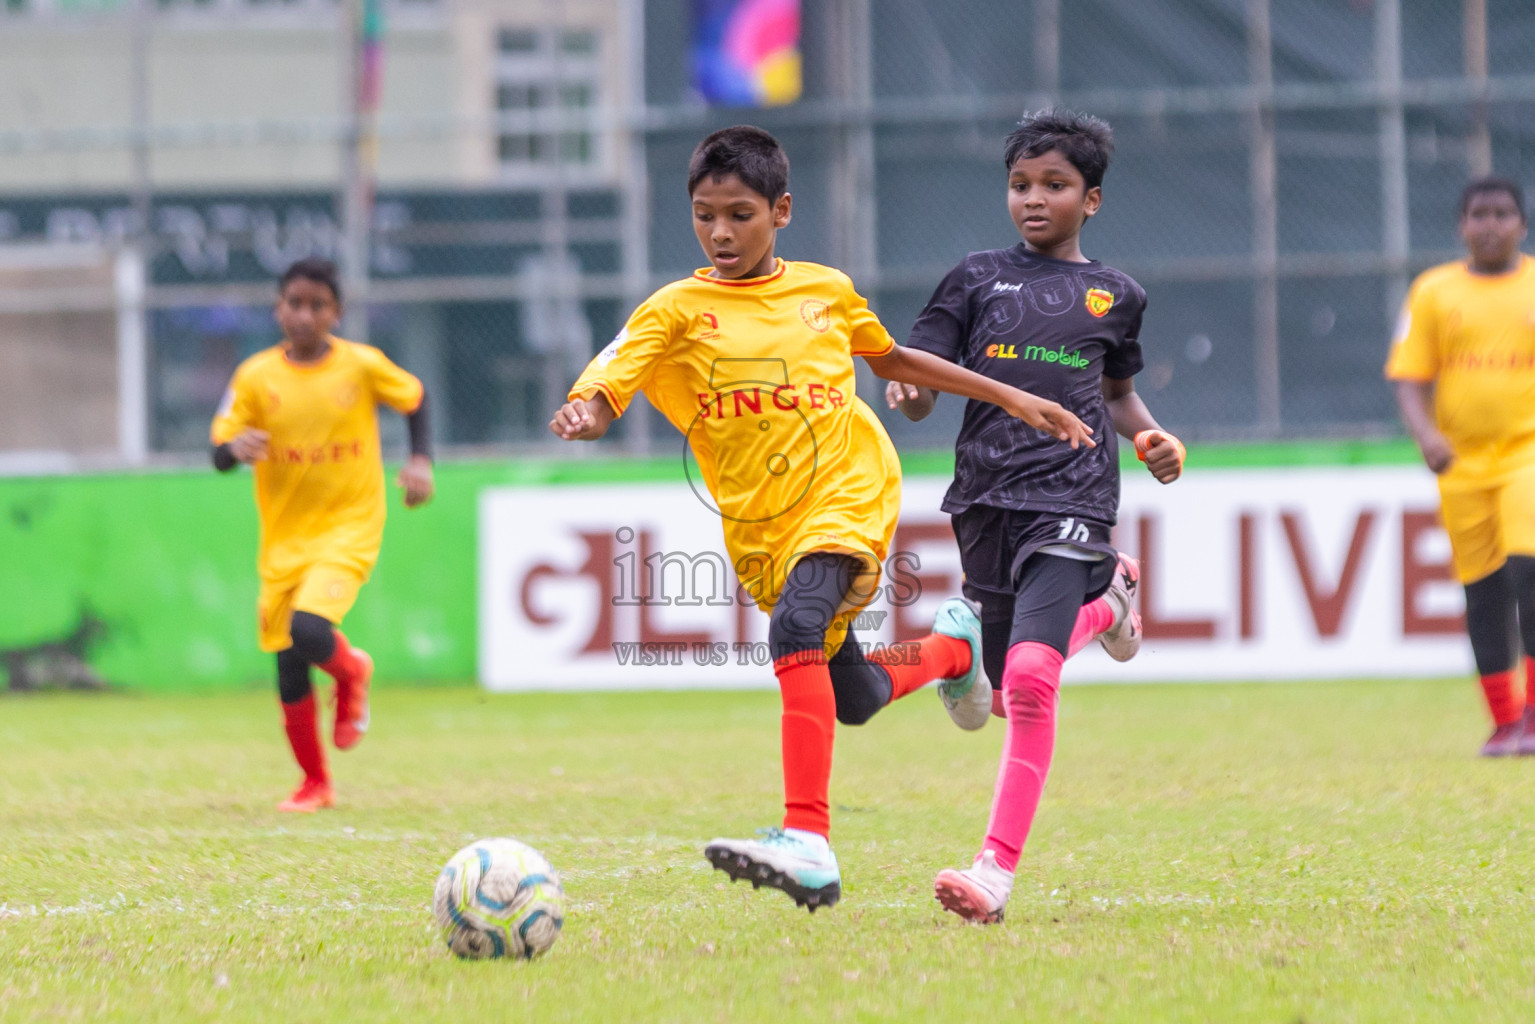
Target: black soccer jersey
(1052,328)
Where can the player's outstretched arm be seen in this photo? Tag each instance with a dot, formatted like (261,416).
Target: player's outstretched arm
(1161,452)
(914,403)
(583,419)
(923,369)
(1415,399)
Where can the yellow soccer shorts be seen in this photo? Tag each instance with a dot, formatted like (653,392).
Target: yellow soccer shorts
(325,589)
(1488,522)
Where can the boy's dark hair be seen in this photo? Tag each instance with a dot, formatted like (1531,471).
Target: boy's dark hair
(312,268)
(1082,139)
(1482,186)
(749,153)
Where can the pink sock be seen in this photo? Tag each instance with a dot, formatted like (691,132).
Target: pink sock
(1032,683)
(1094,618)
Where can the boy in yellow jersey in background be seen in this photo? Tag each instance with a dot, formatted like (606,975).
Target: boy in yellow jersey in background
(304,414)
(752,359)
(1463,360)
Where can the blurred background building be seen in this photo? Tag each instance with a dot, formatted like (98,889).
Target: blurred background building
(1283,167)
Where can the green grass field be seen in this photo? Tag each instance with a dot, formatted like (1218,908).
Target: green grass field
(1318,852)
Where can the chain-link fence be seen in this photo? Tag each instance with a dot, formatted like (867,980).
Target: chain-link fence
(1282,169)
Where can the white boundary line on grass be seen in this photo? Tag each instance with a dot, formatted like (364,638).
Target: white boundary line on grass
(120,904)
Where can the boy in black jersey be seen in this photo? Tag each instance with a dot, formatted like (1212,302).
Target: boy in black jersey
(1033,517)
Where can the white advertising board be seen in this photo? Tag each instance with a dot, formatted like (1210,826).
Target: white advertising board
(1247,574)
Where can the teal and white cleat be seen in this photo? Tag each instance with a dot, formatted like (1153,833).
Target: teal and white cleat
(1122,640)
(778,858)
(967,698)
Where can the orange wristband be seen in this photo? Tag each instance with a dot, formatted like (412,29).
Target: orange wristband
(1143,444)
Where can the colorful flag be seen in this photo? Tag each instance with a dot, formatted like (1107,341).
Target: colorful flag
(370,85)
(746,52)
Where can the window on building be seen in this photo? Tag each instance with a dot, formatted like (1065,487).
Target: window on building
(548,83)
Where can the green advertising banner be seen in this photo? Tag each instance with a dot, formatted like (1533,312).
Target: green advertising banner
(149,580)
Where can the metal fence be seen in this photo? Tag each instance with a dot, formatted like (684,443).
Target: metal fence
(1282,169)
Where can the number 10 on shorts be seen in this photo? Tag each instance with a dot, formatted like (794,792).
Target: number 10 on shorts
(1070,529)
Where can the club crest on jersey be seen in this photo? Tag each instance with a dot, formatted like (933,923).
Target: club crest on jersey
(1099,301)
(711,329)
(817,314)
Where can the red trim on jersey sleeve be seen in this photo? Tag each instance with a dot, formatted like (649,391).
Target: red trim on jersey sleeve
(882,352)
(607,392)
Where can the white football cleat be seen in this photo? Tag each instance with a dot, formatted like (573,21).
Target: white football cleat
(1123,639)
(978,893)
(805,869)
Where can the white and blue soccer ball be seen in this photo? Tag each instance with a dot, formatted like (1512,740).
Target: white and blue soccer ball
(499,898)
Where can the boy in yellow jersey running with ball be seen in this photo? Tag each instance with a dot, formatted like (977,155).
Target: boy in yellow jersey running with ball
(752,359)
(1463,361)
(304,415)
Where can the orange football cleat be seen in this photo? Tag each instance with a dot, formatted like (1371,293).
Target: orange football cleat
(312,795)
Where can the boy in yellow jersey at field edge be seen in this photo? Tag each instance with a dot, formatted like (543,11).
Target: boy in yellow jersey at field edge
(1463,360)
(752,359)
(304,414)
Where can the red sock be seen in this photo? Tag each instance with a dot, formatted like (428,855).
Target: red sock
(914,664)
(1094,618)
(298,719)
(1499,690)
(809,719)
(1529,679)
(1032,682)
(342,664)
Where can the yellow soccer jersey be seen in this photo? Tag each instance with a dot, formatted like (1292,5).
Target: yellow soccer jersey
(320,490)
(758,375)
(1474,337)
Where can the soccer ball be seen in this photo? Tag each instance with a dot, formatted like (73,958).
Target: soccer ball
(498,898)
